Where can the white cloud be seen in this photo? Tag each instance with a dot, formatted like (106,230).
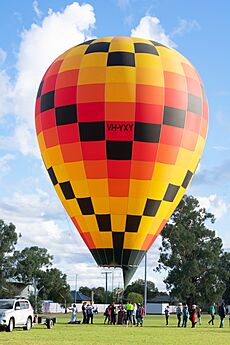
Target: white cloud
(2,56)
(4,160)
(221,148)
(151,28)
(8,143)
(37,9)
(6,94)
(185,26)
(128,20)
(123,4)
(40,45)
(42,221)
(30,206)
(214,204)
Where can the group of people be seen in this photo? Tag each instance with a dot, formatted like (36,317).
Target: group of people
(183,315)
(87,312)
(193,314)
(130,314)
(221,310)
(133,314)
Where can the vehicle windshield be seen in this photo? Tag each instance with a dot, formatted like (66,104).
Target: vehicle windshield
(6,304)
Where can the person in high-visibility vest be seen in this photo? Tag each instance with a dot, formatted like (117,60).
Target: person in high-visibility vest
(129,309)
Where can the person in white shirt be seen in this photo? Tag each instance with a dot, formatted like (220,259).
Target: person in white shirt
(74,313)
(89,313)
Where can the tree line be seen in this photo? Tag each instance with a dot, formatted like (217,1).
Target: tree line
(198,268)
(31,266)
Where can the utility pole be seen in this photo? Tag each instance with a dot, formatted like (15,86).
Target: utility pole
(75,292)
(106,285)
(145,297)
(112,282)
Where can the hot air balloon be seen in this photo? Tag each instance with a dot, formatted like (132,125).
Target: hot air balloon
(121,124)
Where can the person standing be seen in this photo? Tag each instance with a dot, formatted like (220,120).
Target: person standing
(193,315)
(167,315)
(198,313)
(89,313)
(74,313)
(113,314)
(120,316)
(140,313)
(222,314)
(212,311)
(134,313)
(185,315)
(107,314)
(129,310)
(179,313)
(83,308)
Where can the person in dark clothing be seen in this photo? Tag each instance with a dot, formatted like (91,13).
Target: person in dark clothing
(89,313)
(140,313)
(120,315)
(113,310)
(198,313)
(167,315)
(222,314)
(107,314)
(179,313)
(83,308)
(185,315)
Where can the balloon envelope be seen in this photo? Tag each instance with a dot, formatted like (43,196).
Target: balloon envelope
(121,124)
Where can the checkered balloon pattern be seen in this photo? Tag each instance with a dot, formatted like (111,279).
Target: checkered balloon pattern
(121,124)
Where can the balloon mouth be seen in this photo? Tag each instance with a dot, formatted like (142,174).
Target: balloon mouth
(126,259)
(128,272)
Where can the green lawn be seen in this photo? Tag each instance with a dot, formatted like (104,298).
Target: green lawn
(154,331)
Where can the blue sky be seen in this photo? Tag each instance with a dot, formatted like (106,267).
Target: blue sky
(32,34)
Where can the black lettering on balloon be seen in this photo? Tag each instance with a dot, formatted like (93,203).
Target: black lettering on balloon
(120,127)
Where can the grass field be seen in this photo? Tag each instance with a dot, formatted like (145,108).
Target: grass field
(154,331)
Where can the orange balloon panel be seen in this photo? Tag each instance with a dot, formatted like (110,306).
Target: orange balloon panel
(121,124)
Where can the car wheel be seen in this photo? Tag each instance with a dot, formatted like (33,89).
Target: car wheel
(49,323)
(28,325)
(10,326)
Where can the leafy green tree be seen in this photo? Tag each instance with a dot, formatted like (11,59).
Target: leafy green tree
(226,296)
(8,240)
(138,286)
(193,255)
(29,263)
(53,285)
(99,295)
(85,290)
(135,297)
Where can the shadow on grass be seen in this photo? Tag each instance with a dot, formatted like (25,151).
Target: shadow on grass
(118,326)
